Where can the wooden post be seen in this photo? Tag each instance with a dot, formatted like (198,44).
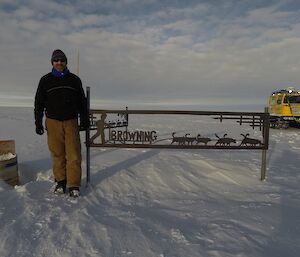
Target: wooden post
(87,137)
(263,164)
(266,129)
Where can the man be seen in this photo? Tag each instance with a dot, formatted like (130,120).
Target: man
(61,97)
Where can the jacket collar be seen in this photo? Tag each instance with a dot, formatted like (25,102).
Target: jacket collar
(59,74)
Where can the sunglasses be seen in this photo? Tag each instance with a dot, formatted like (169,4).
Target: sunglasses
(59,60)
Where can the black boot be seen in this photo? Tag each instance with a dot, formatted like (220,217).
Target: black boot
(74,192)
(61,187)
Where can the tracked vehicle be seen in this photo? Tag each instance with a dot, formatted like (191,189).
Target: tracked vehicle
(284,108)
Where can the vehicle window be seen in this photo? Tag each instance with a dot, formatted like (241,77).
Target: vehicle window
(279,99)
(273,100)
(293,99)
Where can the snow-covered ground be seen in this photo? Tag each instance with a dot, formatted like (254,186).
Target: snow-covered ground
(153,203)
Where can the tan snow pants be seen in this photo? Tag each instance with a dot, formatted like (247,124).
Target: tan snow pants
(64,145)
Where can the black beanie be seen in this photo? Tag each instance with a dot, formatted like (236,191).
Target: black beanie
(58,54)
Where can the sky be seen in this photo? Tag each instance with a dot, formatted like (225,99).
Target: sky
(149,51)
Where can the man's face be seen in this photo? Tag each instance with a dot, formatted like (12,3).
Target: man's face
(59,64)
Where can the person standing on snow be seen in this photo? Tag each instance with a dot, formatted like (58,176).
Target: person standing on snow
(61,97)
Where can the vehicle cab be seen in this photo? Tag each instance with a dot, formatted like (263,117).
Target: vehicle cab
(284,108)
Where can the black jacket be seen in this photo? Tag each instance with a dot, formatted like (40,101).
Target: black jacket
(60,98)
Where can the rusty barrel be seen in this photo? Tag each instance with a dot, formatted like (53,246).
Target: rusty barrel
(8,162)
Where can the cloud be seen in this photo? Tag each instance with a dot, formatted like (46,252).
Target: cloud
(153,49)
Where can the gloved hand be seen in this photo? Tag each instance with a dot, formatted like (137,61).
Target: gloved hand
(39,130)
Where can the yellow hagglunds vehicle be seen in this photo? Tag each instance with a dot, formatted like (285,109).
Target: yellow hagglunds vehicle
(284,108)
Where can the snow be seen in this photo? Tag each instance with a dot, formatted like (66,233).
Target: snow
(7,156)
(146,203)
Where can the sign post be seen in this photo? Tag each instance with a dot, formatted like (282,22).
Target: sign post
(87,136)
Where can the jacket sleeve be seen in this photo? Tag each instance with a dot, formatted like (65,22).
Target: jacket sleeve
(39,105)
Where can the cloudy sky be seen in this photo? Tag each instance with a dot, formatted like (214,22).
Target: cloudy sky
(154,50)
